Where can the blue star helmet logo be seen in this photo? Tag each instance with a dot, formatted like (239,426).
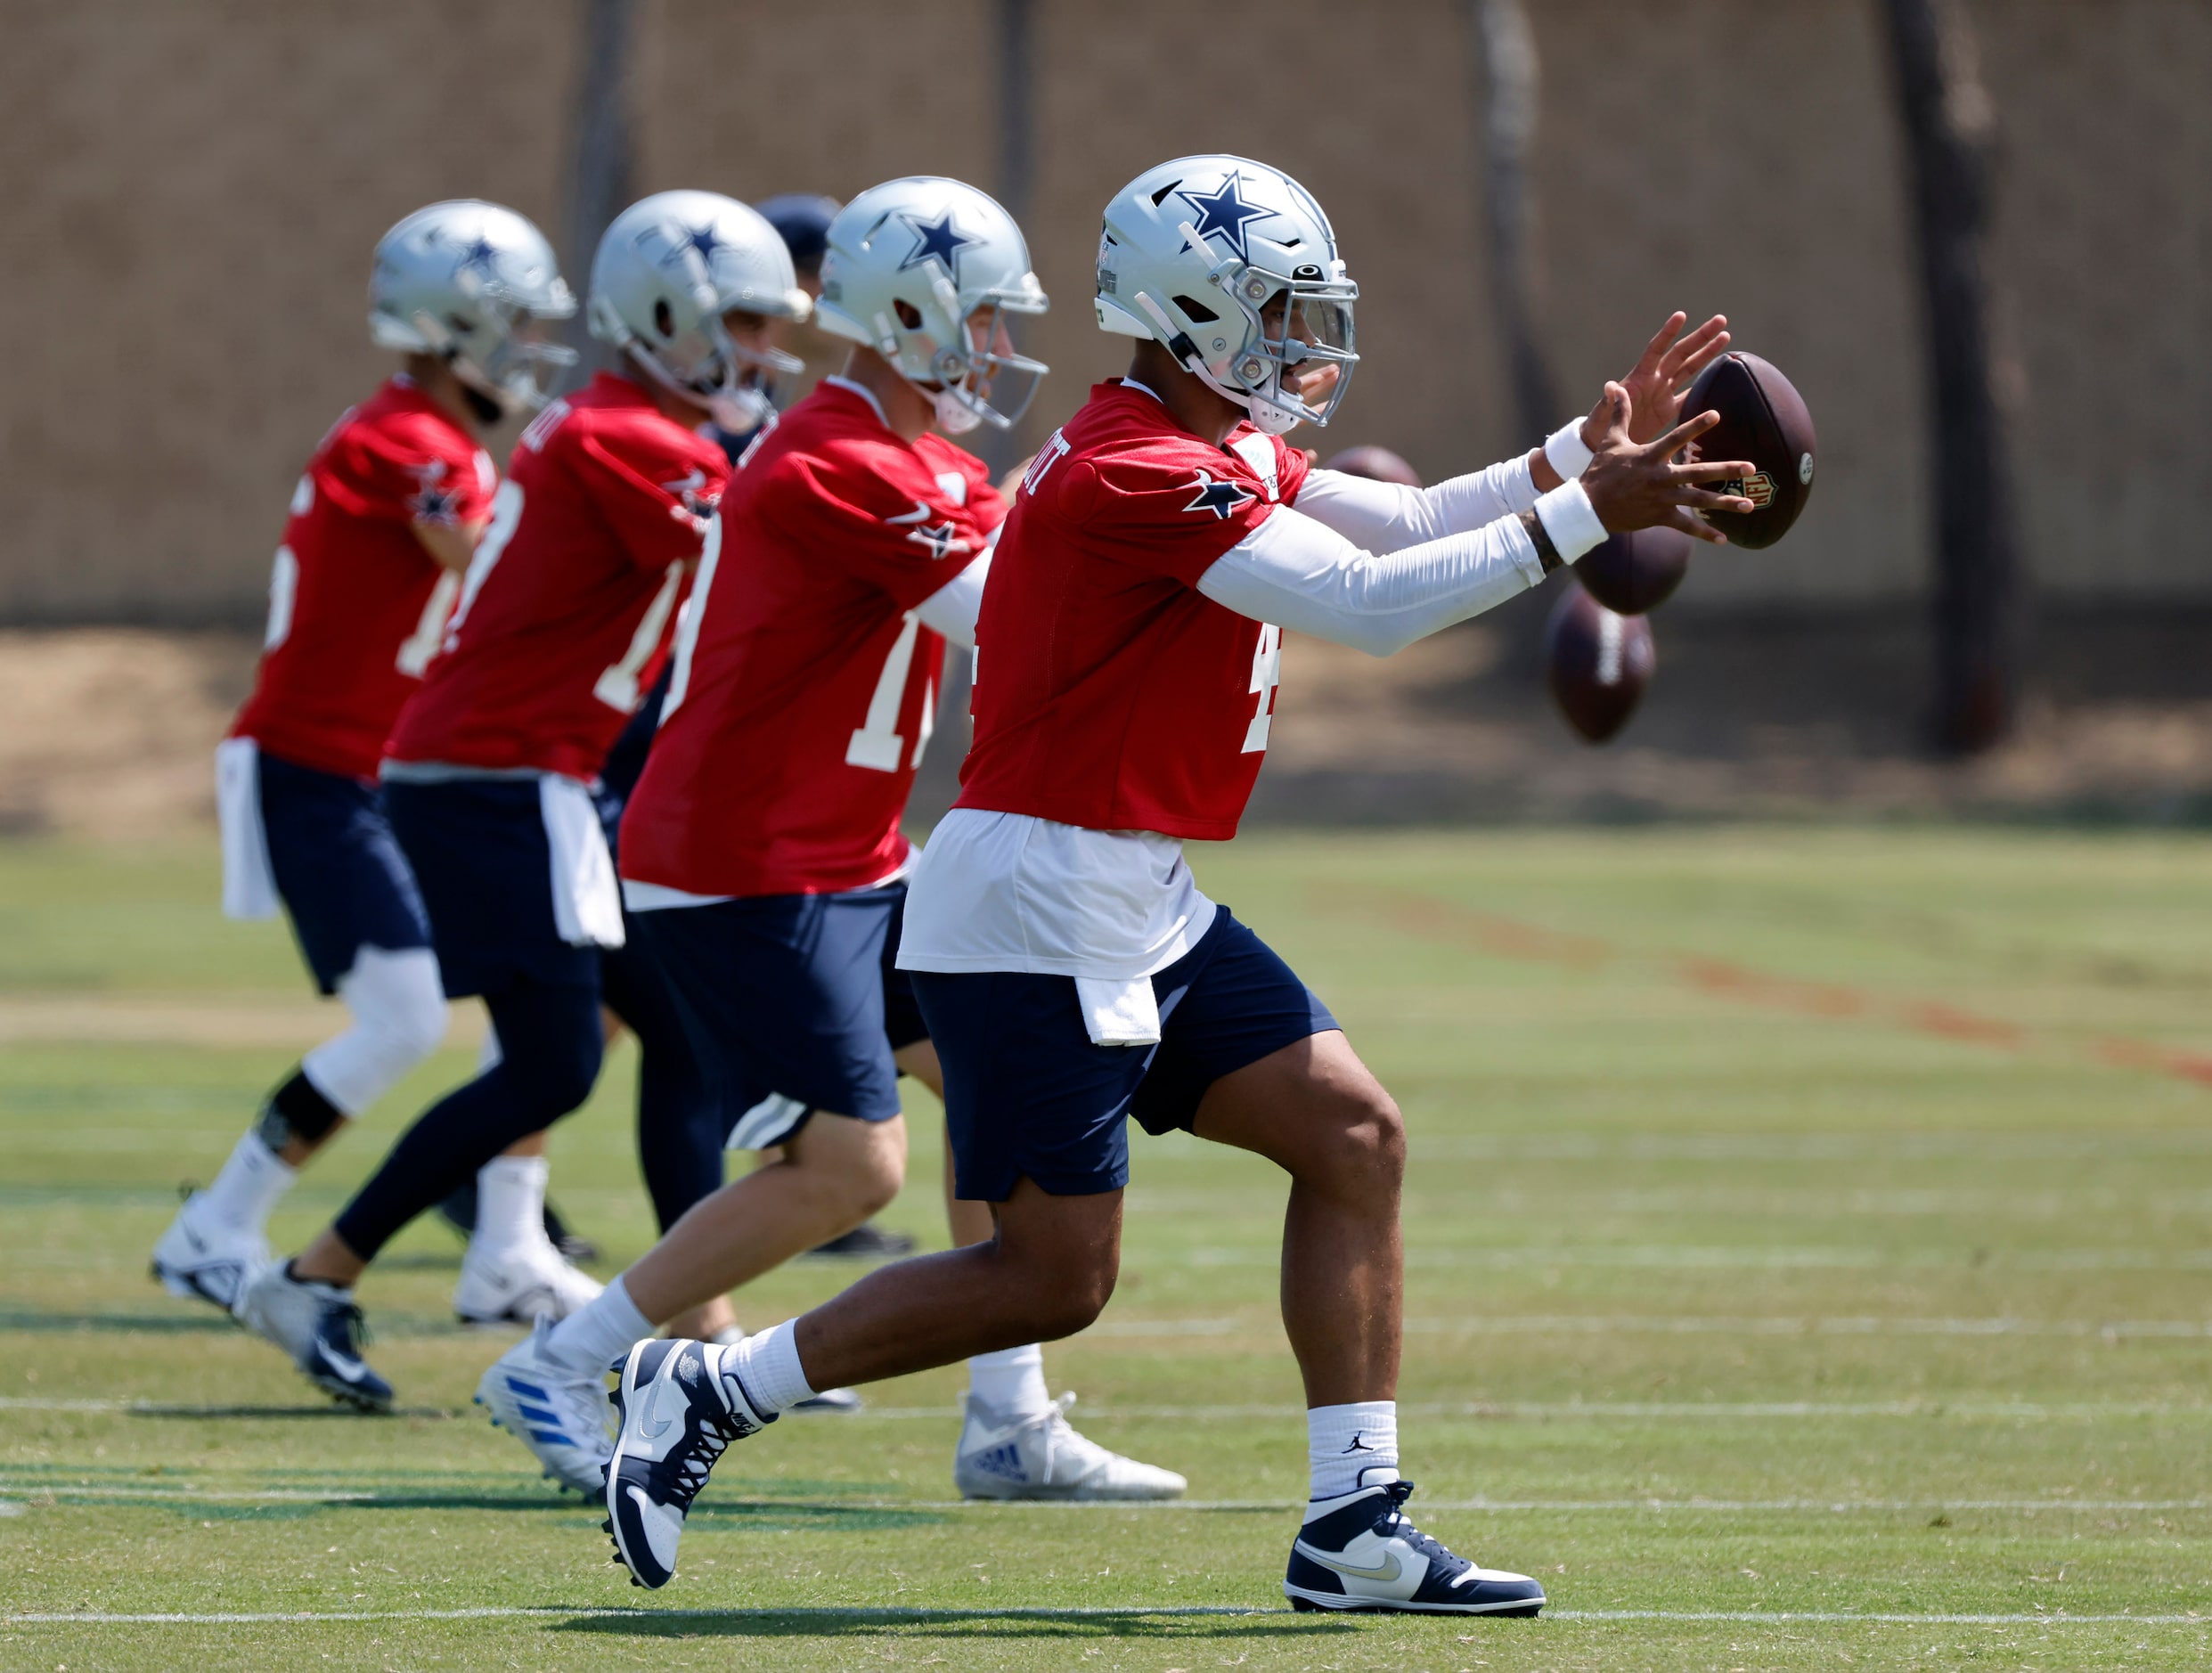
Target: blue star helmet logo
(939,239)
(702,239)
(479,255)
(1225,212)
(1220,498)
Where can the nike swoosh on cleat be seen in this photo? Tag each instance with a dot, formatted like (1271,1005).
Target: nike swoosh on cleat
(1391,1570)
(352,1370)
(650,1425)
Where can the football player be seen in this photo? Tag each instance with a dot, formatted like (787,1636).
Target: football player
(562,622)
(383,523)
(762,857)
(1070,972)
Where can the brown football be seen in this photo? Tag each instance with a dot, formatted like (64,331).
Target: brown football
(1762,420)
(1601,661)
(1637,572)
(1379,463)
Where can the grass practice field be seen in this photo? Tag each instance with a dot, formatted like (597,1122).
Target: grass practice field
(1809,1239)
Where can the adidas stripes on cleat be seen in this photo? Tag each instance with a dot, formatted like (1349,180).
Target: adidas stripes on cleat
(680,1406)
(554,1408)
(1359,1552)
(320,1328)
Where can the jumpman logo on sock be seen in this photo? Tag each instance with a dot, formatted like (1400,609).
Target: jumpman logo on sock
(1357,1446)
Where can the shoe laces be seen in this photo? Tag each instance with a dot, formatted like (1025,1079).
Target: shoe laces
(351,1327)
(687,1468)
(1062,1438)
(1395,1525)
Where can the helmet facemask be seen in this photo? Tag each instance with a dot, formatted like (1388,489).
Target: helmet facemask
(699,359)
(1298,324)
(963,362)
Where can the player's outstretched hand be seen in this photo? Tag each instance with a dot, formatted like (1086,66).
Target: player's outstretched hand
(1635,485)
(1661,377)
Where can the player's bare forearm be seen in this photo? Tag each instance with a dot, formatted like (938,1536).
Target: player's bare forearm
(452,546)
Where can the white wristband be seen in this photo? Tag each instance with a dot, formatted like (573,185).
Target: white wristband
(1571,521)
(1563,447)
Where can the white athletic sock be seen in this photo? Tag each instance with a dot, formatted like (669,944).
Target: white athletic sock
(599,1331)
(768,1366)
(1011,1381)
(248,1186)
(510,1203)
(1351,1447)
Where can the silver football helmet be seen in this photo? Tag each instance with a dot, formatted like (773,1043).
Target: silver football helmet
(463,281)
(667,270)
(925,271)
(1233,267)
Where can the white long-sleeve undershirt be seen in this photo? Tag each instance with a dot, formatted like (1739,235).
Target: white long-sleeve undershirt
(952,608)
(1386,517)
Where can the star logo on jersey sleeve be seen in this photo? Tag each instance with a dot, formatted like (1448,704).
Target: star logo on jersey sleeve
(939,241)
(1223,211)
(1220,497)
(942,538)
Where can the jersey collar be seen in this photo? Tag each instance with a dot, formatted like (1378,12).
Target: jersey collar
(865,394)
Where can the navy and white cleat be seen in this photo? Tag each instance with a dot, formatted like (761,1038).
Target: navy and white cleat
(200,1256)
(679,1408)
(554,1408)
(320,1328)
(1359,1552)
(1045,1456)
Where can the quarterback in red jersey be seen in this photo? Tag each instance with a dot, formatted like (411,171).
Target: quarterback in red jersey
(1072,975)
(565,615)
(762,858)
(384,518)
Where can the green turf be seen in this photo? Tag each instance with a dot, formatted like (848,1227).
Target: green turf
(1802,1225)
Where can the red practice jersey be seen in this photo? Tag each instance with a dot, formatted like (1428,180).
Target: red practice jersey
(805,688)
(357,606)
(567,609)
(1109,693)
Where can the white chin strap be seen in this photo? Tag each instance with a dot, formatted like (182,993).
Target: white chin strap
(955,417)
(1265,417)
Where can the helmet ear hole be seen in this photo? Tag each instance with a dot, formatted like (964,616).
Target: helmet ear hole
(664,322)
(909,314)
(1195,310)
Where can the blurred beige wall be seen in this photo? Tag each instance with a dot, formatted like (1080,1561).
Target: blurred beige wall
(193,192)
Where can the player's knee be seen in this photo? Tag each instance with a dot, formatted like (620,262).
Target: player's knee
(882,1170)
(554,1080)
(1066,1286)
(398,1003)
(1368,1148)
(417,1028)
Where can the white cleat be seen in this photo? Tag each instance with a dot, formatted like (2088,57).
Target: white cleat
(1043,1456)
(558,1412)
(320,1326)
(521,1283)
(200,1257)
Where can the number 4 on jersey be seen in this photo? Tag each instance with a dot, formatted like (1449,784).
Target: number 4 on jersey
(1267,673)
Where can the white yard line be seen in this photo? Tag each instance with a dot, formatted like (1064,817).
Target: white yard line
(1666,1325)
(919,1615)
(1540,1410)
(15,1495)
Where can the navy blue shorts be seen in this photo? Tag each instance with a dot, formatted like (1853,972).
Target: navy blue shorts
(792,1002)
(479,850)
(1027,1094)
(344,882)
